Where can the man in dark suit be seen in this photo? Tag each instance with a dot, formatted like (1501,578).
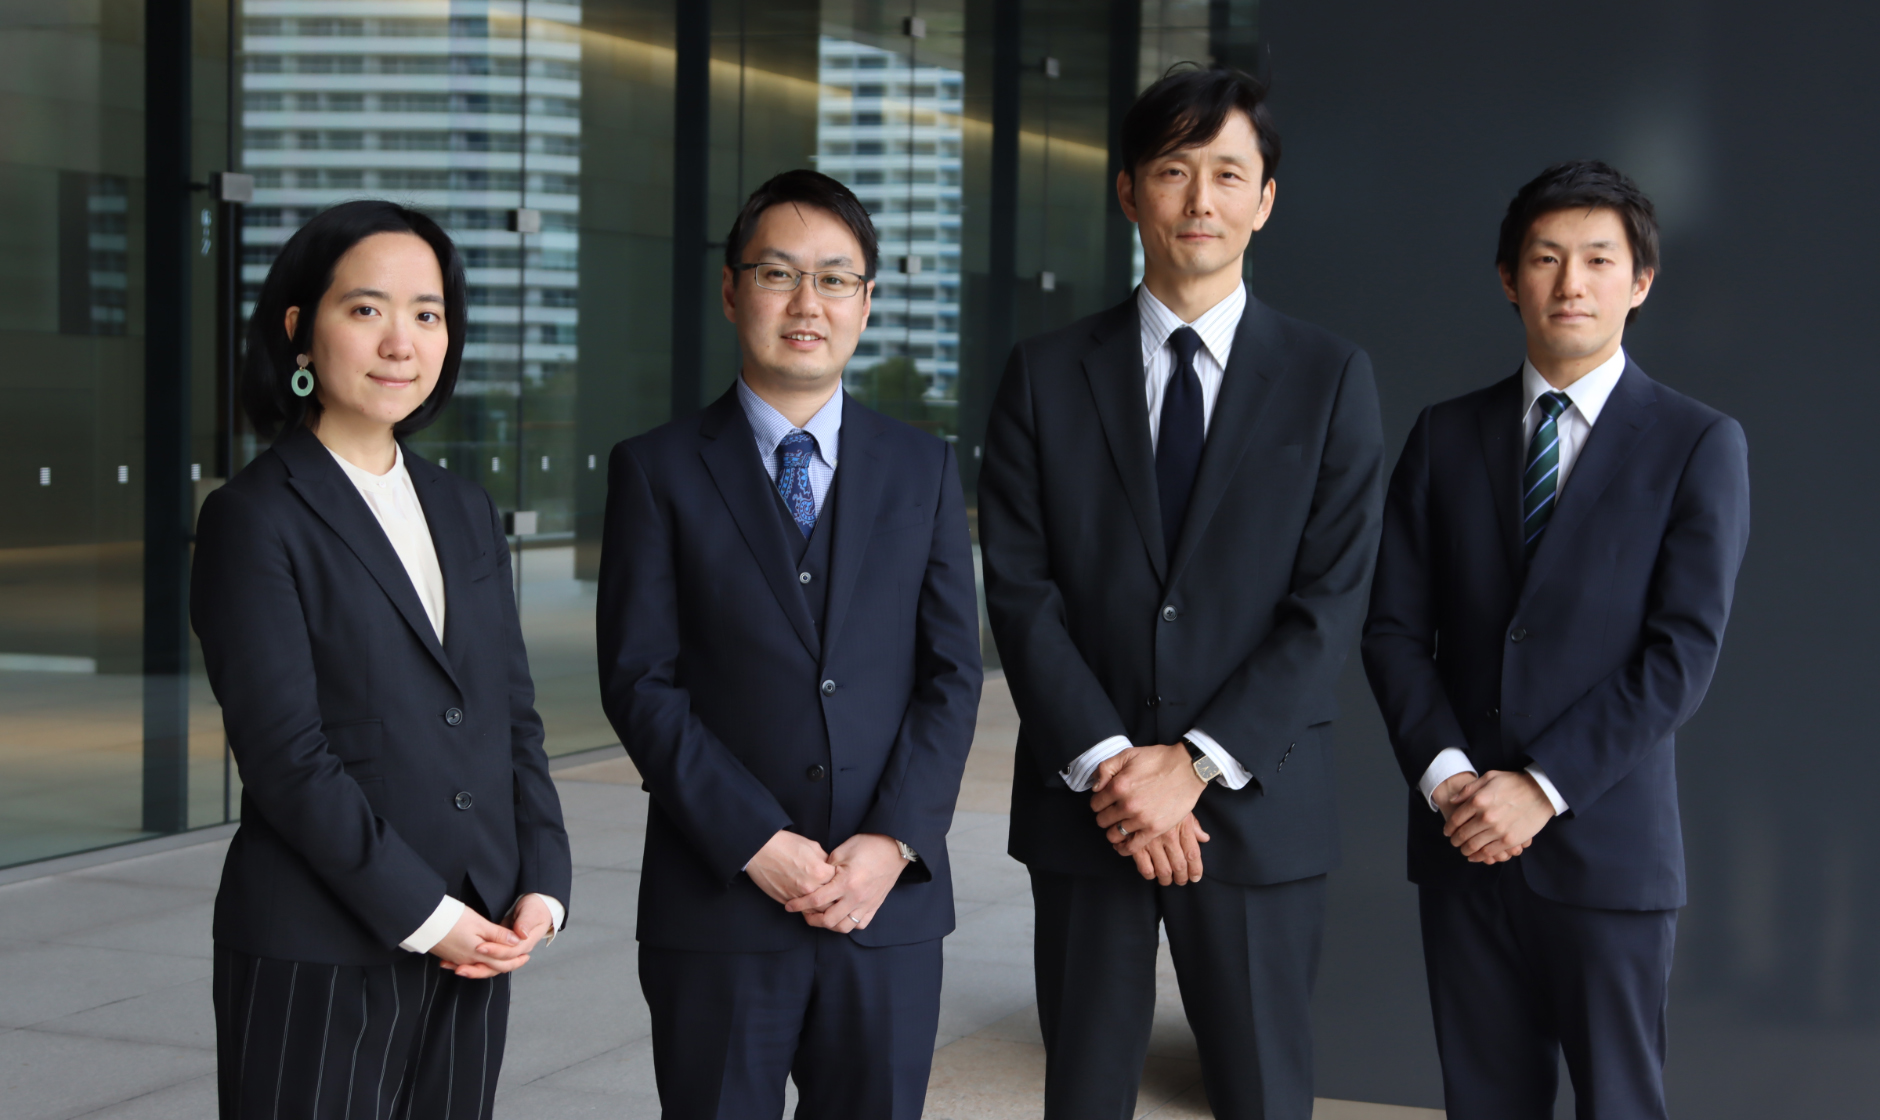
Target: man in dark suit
(1559,555)
(1179,508)
(790,652)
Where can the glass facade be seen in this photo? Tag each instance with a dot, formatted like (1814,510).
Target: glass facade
(589,158)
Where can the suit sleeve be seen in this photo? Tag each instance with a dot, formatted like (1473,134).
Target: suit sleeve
(724,812)
(915,797)
(1400,634)
(547,866)
(1602,736)
(1259,709)
(1064,706)
(246,609)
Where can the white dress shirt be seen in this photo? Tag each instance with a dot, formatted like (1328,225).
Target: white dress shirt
(1588,395)
(394,502)
(1216,326)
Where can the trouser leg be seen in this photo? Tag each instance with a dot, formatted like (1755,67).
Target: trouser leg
(1492,1008)
(726,1027)
(1609,974)
(1094,959)
(1246,958)
(867,1044)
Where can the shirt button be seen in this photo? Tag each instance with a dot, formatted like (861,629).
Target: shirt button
(829,688)
(815,773)
(1169,614)
(1152,701)
(1519,634)
(464,800)
(453,716)
(802,577)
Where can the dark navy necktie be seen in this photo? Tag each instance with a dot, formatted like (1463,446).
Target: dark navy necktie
(1540,483)
(1179,437)
(793,479)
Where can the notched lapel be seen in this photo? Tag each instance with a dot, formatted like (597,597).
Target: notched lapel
(1500,425)
(857,500)
(1114,370)
(1622,423)
(731,457)
(330,494)
(1246,384)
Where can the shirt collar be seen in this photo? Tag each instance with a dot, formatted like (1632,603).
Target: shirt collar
(365,479)
(1216,325)
(1588,394)
(770,426)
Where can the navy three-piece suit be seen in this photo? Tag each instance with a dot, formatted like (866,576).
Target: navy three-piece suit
(1583,661)
(761,681)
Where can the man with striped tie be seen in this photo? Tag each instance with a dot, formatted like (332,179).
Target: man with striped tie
(1560,550)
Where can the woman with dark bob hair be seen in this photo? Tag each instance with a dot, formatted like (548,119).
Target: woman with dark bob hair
(355,607)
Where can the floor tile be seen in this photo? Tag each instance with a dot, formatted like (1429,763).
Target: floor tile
(46,1077)
(179,1015)
(52,981)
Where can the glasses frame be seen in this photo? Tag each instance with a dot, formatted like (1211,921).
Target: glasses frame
(865,278)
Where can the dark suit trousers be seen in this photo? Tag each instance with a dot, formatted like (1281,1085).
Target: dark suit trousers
(853,1026)
(1246,959)
(1516,980)
(407,1040)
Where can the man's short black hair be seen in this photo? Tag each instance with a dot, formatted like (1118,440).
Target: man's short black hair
(805,188)
(1188,107)
(1582,184)
(300,277)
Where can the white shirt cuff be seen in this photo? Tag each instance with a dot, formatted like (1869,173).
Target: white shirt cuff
(1547,787)
(426,936)
(1233,774)
(1083,769)
(1450,762)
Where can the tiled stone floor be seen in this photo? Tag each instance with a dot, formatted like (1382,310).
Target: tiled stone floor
(104,979)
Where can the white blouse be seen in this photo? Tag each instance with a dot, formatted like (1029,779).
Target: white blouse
(394,501)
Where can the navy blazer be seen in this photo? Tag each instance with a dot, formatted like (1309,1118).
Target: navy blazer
(743,715)
(1242,632)
(1584,661)
(380,770)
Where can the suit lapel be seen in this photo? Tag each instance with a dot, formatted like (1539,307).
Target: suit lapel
(857,500)
(325,488)
(1499,423)
(731,456)
(1246,384)
(457,546)
(1622,423)
(1114,369)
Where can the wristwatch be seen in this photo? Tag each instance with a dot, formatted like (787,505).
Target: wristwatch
(1205,768)
(907,853)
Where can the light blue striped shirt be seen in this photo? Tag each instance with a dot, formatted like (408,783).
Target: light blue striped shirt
(770,426)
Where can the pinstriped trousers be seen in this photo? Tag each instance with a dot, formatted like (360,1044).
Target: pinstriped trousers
(400,1041)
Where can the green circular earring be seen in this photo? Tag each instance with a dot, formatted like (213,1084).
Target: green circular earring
(303,379)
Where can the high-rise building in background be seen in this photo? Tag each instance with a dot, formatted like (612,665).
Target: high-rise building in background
(340,101)
(890,128)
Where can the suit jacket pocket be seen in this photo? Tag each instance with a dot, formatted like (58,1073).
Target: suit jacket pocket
(482,567)
(894,522)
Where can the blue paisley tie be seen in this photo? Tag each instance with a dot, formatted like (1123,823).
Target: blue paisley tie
(793,478)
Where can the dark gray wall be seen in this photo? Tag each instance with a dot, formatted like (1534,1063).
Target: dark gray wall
(1407,129)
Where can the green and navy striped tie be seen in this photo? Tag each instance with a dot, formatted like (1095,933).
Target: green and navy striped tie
(1541,482)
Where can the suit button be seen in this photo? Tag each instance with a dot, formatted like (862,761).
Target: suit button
(1170,614)
(464,800)
(1494,713)
(1518,635)
(453,716)
(1152,701)
(815,773)
(829,688)
(802,577)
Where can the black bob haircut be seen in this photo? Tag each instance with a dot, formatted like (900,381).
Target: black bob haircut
(1581,184)
(1188,107)
(300,278)
(804,188)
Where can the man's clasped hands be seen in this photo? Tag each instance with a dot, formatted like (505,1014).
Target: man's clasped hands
(839,890)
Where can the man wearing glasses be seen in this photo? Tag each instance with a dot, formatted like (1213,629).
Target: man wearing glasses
(789,650)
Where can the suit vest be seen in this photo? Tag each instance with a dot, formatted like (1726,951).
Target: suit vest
(812,552)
